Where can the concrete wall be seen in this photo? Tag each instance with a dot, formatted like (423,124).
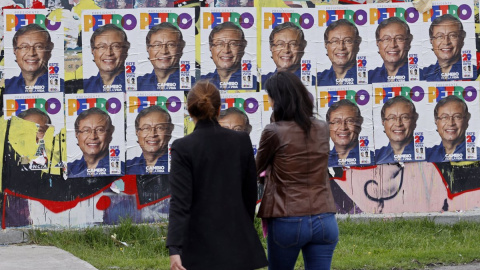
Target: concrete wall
(49,200)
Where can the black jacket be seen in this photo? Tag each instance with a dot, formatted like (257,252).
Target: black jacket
(214,193)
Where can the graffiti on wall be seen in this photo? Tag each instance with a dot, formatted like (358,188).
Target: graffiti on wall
(37,190)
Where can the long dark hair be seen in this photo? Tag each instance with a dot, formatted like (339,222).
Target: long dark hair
(291,99)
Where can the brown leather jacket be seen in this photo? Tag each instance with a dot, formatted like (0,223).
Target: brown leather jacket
(297,182)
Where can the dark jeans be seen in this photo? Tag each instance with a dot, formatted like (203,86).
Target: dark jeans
(315,235)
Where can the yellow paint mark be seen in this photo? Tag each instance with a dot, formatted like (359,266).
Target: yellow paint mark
(56,158)
(83,5)
(189,125)
(198,43)
(3,129)
(56,15)
(75,73)
(463,163)
(270,3)
(22,138)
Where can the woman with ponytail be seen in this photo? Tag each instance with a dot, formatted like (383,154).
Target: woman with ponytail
(297,203)
(214,192)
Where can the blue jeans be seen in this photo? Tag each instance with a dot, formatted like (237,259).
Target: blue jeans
(315,235)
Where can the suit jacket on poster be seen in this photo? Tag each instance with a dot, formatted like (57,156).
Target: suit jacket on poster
(214,192)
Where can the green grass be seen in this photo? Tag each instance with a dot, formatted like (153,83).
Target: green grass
(400,244)
(146,245)
(405,244)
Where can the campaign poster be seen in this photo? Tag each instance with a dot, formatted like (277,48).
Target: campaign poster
(401,124)
(109,58)
(229,47)
(154,122)
(153,3)
(290,42)
(45,110)
(48,106)
(227,3)
(167,50)
(345,45)
(453,111)
(33,46)
(397,33)
(243,112)
(449,50)
(95,135)
(348,112)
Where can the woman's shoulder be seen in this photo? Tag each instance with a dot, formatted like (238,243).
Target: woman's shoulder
(179,142)
(319,122)
(321,126)
(274,127)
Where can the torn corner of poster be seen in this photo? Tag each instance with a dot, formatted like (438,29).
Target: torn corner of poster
(422,5)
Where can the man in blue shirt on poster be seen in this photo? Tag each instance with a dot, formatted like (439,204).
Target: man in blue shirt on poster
(399,120)
(451,117)
(287,44)
(110,47)
(393,42)
(227,45)
(342,42)
(447,38)
(93,130)
(165,46)
(345,121)
(32,47)
(154,128)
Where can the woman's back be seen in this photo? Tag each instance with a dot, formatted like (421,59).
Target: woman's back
(214,193)
(220,165)
(298,172)
(297,199)
(219,159)
(299,159)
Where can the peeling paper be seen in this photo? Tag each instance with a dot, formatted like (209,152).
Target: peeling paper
(331,171)
(422,5)
(114,188)
(118,186)
(71,25)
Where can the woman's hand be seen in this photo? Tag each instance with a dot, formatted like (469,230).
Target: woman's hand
(176,263)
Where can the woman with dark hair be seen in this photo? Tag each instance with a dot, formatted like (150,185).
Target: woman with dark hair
(297,203)
(214,192)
